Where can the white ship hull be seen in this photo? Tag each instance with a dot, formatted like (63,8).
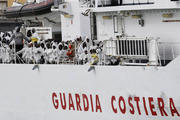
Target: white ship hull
(67,92)
(28,94)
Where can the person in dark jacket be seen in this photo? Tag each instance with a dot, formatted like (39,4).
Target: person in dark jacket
(18,37)
(114,2)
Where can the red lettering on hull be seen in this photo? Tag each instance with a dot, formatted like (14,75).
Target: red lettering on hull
(173,108)
(137,103)
(131,105)
(76,102)
(113,99)
(145,108)
(55,100)
(61,99)
(161,107)
(151,105)
(122,101)
(119,105)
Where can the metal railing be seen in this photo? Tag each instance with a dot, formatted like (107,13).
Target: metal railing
(127,47)
(168,51)
(105,3)
(131,49)
(139,49)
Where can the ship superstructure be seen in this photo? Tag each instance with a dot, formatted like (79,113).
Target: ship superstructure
(115,19)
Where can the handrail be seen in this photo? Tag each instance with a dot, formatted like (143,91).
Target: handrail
(111,3)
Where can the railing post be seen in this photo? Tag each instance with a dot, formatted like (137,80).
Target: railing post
(153,53)
(172,49)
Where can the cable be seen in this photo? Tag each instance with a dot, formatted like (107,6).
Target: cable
(25,6)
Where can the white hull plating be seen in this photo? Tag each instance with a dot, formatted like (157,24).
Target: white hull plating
(27,95)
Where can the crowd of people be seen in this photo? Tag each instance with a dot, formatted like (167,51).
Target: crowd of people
(15,47)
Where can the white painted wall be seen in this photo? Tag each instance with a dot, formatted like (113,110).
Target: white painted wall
(76,26)
(105,28)
(154,27)
(27,94)
(85,25)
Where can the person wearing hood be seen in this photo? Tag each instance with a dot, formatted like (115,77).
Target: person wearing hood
(48,53)
(27,53)
(84,57)
(88,43)
(60,52)
(18,37)
(55,52)
(1,52)
(38,52)
(6,37)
